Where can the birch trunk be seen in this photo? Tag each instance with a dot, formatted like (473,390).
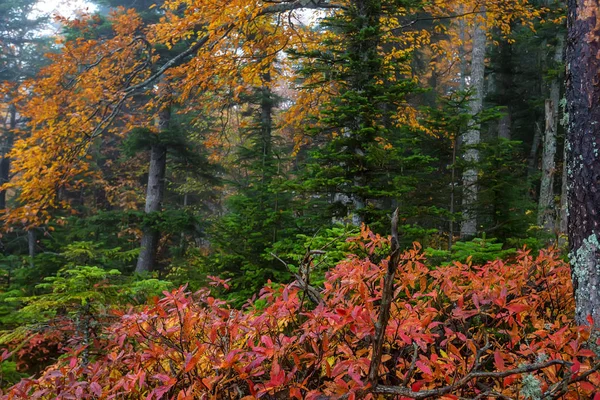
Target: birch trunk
(471,137)
(6,147)
(155,189)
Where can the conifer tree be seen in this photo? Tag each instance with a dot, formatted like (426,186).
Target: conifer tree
(360,170)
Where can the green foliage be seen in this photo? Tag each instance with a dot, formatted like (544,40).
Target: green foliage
(478,250)
(329,246)
(9,374)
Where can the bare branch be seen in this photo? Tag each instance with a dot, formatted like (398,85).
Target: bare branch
(312,293)
(386,303)
(435,393)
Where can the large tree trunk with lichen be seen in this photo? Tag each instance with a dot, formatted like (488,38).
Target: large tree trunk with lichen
(471,138)
(583,156)
(155,190)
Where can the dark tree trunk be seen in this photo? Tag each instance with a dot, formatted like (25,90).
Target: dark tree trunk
(583,148)
(154,192)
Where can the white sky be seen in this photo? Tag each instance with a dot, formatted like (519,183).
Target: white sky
(65,8)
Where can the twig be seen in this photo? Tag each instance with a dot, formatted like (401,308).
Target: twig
(312,293)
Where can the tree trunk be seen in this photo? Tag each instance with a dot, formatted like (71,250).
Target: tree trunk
(471,137)
(546,200)
(564,214)
(31,246)
(155,189)
(6,148)
(546,209)
(504,126)
(266,124)
(583,145)
(533,153)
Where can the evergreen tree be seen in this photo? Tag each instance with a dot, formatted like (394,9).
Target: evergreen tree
(369,160)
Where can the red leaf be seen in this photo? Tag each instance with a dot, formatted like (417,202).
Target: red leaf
(423,367)
(575,367)
(277,375)
(587,386)
(267,341)
(96,389)
(5,355)
(498,361)
(516,307)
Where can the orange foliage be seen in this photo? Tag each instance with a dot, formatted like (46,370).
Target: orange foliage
(229,46)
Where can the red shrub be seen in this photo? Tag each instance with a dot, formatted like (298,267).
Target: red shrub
(459,330)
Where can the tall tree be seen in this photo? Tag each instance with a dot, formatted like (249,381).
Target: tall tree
(583,149)
(471,138)
(21,55)
(156,181)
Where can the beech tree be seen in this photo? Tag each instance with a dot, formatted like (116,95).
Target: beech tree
(583,147)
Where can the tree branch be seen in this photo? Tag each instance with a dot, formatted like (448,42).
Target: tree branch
(425,394)
(386,303)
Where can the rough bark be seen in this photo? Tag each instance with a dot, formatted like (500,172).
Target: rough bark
(155,189)
(564,212)
(471,137)
(546,211)
(583,146)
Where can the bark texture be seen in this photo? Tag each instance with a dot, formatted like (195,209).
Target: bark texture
(471,137)
(583,146)
(156,188)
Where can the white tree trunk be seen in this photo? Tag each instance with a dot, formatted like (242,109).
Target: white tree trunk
(155,190)
(471,137)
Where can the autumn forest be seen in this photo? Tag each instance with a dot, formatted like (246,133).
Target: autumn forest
(300,199)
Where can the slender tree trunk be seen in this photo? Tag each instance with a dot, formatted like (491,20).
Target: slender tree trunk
(452,195)
(546,212)
(156,187)
(546,199)
(6,148)
(266,125)
(533,153)
(31,246)
(583,148)
(504,126)
(471,137)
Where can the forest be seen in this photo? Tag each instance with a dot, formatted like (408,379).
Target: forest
(300,199)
